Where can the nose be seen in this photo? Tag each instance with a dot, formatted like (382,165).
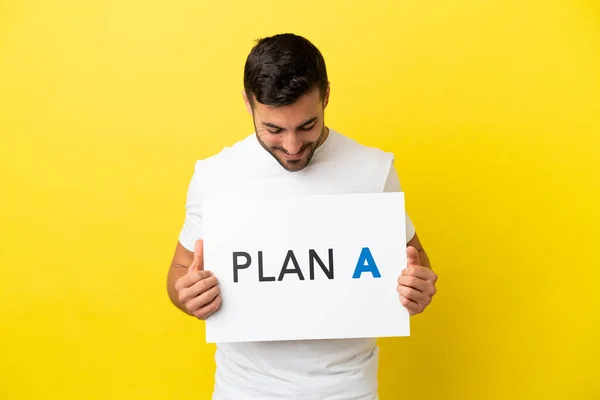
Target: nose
(292,143)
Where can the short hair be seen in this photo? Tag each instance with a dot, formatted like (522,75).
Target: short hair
(282,68)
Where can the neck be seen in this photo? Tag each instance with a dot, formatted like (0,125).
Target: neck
(324,135)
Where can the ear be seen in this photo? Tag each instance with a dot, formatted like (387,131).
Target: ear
(326,99)
(248,106)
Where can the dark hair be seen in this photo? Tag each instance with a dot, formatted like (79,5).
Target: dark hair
(282,68)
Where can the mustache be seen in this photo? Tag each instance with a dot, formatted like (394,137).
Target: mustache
(304,147)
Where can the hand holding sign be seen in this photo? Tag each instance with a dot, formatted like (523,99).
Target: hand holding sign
(198,290)
(416,285)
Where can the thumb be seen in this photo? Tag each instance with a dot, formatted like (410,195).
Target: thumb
(412,257)
(198,263)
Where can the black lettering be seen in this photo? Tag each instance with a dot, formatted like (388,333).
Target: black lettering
(314,256)
(262,278)
(236,266)
(284,270)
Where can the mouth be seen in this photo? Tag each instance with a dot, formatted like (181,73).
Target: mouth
(294,157)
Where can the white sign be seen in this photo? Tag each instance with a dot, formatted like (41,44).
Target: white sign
(306,267)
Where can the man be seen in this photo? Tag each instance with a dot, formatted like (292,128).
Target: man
(291,152)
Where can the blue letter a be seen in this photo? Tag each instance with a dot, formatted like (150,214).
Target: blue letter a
(366,263)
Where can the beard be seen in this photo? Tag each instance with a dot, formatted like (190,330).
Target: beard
(308,150)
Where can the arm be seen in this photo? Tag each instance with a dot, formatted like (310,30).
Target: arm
(392,184)
(180,263)
(192,289)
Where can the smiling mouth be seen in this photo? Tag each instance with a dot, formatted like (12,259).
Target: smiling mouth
(293,157)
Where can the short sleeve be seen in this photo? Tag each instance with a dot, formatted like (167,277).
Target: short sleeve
(192,228)
(392,184)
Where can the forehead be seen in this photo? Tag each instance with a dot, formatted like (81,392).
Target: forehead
(307,106)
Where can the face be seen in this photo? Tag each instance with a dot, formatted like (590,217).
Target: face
(291,133)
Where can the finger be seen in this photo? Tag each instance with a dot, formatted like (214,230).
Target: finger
(198,262)
(411,294)
(413,282)
(209,309)
(412,256)
(201,286)
(427,288)
(411,306)
(203,299)
(420,272)
(190,279)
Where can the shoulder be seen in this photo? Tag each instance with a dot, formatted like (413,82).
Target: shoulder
(210,171)
(356,148)
(367,164)
(230,157)
(241,148)
(369,159)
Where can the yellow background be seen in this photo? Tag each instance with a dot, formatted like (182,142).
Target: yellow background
(493,112)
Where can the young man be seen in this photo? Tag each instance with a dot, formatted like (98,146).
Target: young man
(291,152)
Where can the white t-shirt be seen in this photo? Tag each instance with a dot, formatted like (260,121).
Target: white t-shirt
(337,369)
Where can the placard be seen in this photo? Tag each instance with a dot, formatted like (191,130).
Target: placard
(306,267)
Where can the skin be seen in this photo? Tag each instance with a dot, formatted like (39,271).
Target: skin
(191,288)
(291,134)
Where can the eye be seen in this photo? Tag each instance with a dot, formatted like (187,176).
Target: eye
(274,132)
(308,128)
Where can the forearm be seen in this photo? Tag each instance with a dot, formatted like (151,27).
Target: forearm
(175,272)
(424,258)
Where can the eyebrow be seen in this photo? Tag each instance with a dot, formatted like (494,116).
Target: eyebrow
(308,121)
